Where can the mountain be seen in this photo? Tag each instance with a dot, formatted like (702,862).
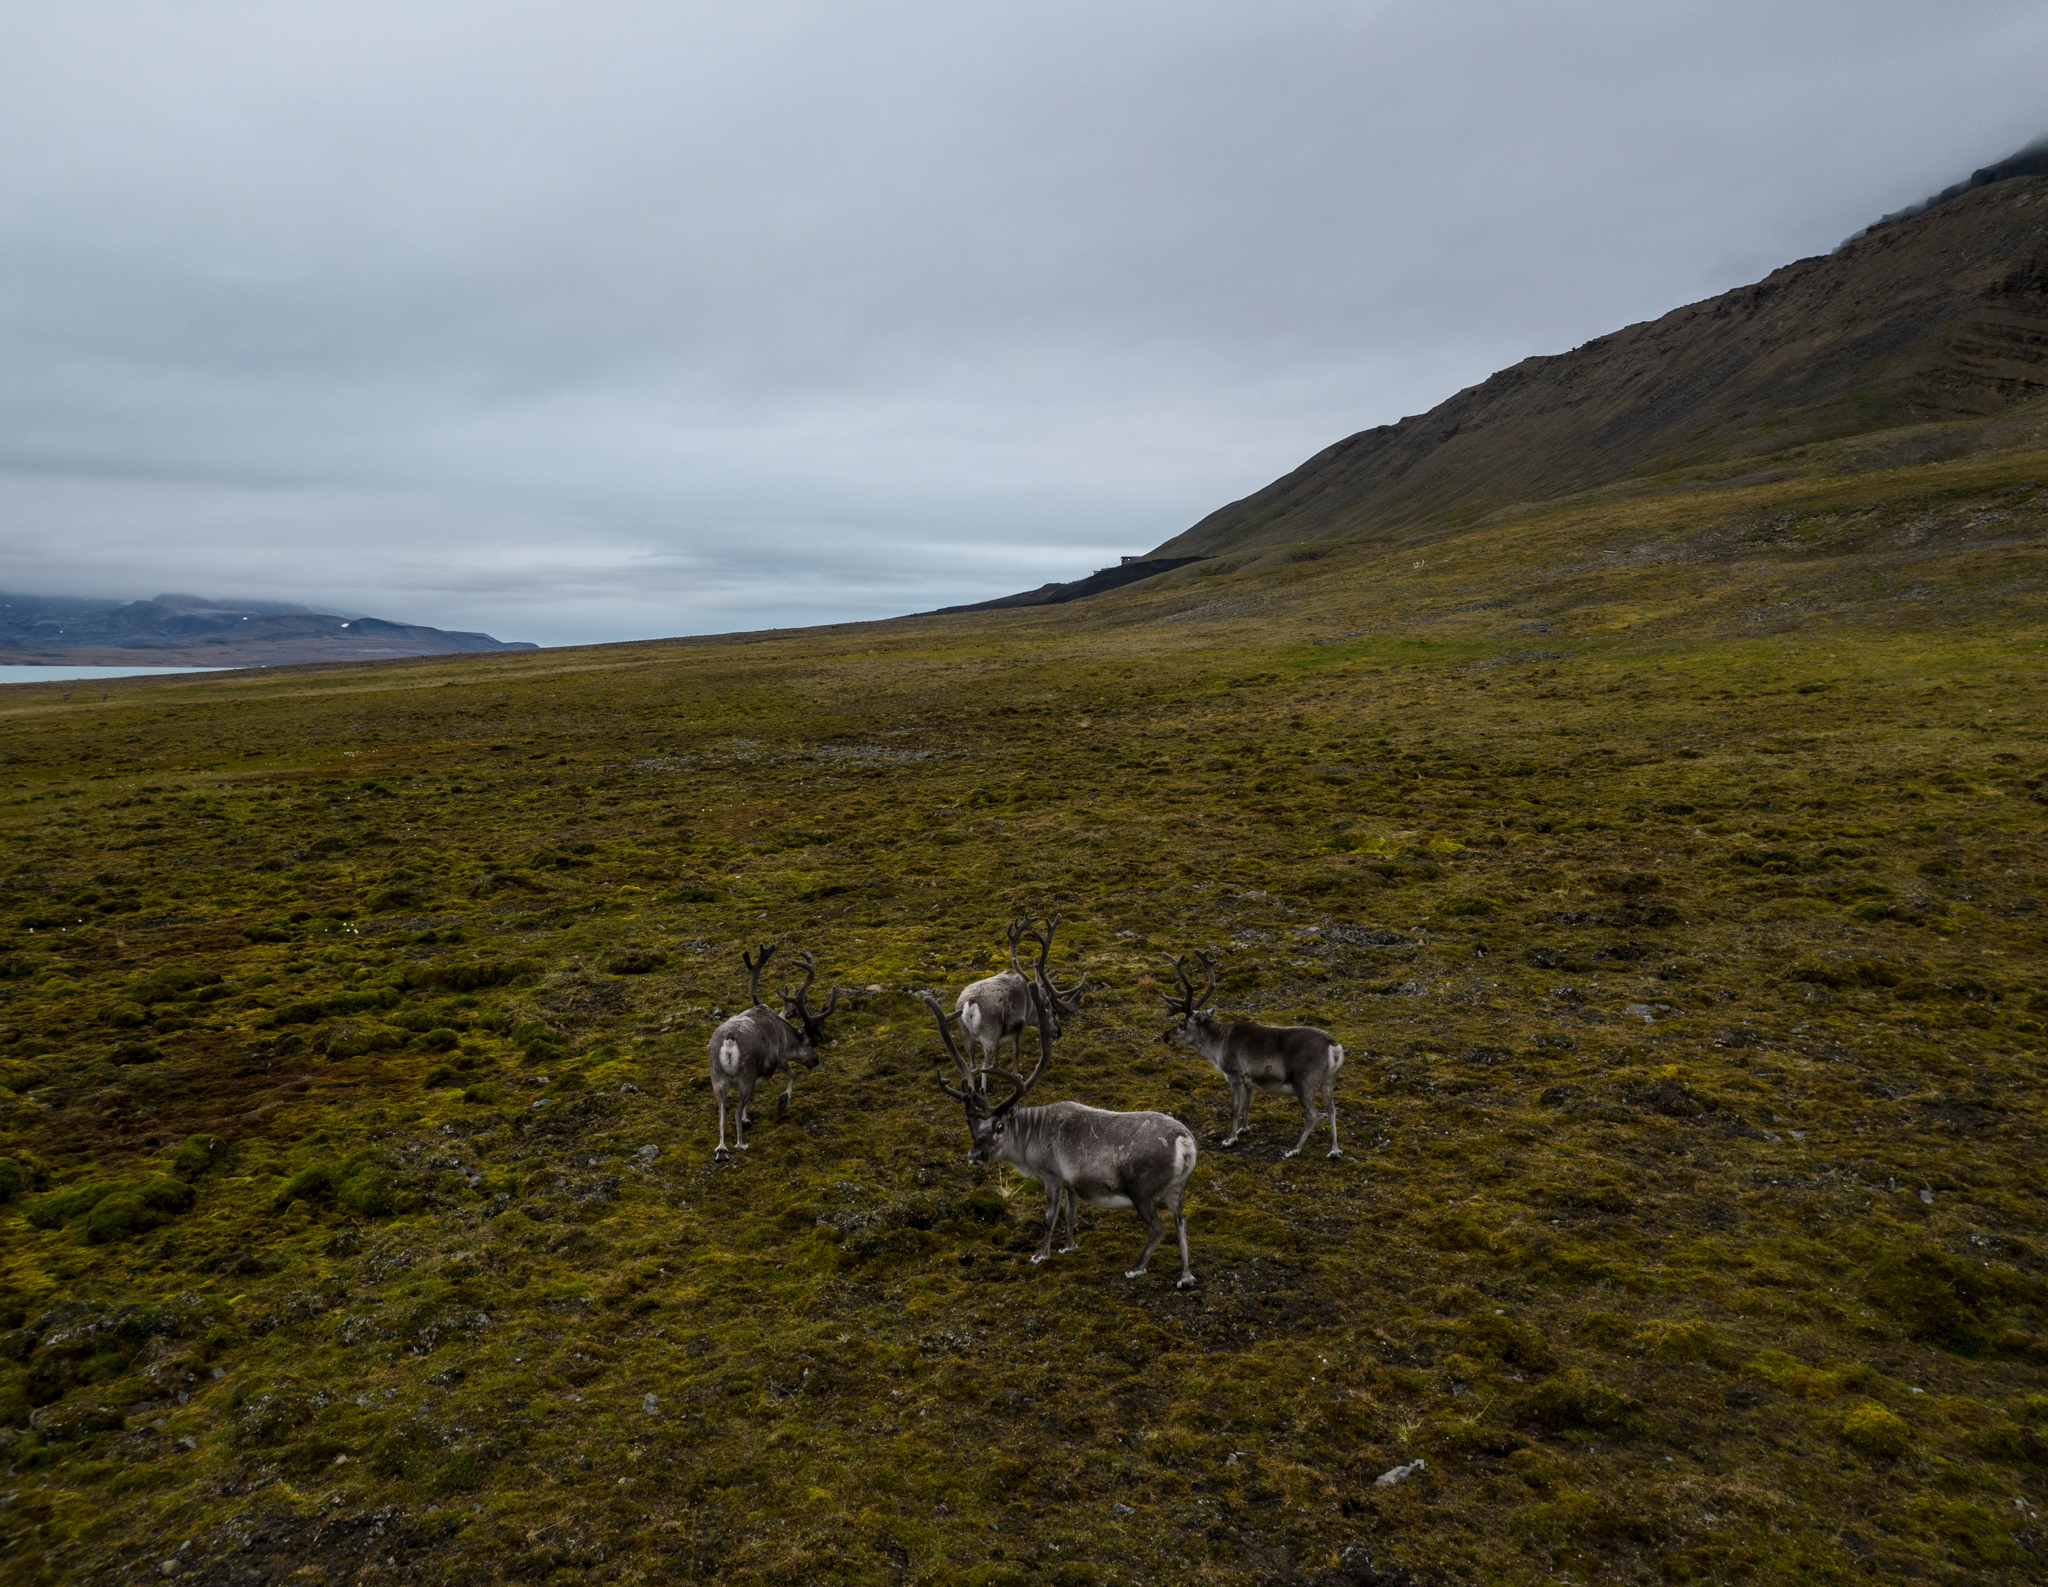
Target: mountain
(193,631)
(1130,571)
(1936,316)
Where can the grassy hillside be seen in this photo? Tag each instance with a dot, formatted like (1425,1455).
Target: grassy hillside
(1671,866)
(1936,318)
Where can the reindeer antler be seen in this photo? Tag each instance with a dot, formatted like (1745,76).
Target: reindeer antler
(754,967)
(810,969)
(966,1079)
(795,1006)
(1210,969)
(1023,1086)
(1016,931)
(1185,1003)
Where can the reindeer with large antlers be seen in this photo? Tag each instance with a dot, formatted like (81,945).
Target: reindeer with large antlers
(1138,1160)
(996,1010)
(1290,1060)
(758,1042)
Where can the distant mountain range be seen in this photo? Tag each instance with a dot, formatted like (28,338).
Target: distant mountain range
(194,631)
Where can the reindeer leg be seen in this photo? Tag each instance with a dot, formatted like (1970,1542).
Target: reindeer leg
(721,1154)
(1330,1096)
(1054,1190)
(788,1089)
(1073,1224)
(1240,1109)
(740,1120)
(1155,1231)
(1305,1095)
(1180,1227)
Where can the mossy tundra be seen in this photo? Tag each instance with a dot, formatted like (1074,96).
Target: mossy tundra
(1670,866)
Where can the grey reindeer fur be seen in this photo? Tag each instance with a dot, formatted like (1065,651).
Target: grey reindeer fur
(1138,1160)
(1290,1060)
(996,1010)
(757,1042)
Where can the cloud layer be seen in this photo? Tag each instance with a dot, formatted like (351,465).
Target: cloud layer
(617,320)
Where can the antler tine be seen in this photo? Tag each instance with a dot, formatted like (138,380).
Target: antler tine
(1023,1085)
(1044,942)
(1186,1001)
(946,1036)
(754,967)
(1015,932)
(810,967)
(1211,970)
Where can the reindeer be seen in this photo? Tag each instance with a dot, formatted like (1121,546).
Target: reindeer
(1079,1153)
(996,1010)
(757,1042)
(1295,1060)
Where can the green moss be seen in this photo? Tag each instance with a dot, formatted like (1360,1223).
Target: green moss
(1575,1400)
(1867,1426)
(1945,1299)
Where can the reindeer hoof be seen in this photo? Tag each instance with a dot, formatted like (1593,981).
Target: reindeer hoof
(1285,1155)
(1136,1272)
(1187,1281)
(720,1155)
(1335,1153)
(781,1103)
(1038,1258)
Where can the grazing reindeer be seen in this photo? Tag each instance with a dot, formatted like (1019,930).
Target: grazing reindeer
(996,1010)
(757,1042)
(1079,1153)
(1295,1060)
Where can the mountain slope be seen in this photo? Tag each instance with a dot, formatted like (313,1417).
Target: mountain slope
(1939,316)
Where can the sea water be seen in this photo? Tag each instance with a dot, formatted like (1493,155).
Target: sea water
(92,674)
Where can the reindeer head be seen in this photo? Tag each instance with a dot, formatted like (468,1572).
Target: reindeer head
(1186,1015)
(986,1123)
(812,1025)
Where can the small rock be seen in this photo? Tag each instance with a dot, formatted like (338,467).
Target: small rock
(649,1404)
(1927,1196)
(1123,1509)
(628,1089)
(874,989)
(646,1156)
(543,1102)
(1399,1474)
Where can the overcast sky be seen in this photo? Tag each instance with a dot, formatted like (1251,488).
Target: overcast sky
(605,320)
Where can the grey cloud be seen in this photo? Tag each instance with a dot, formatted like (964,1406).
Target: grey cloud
(610,320)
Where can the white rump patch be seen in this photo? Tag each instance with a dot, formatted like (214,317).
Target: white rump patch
(729,1056)
(1336,1056)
